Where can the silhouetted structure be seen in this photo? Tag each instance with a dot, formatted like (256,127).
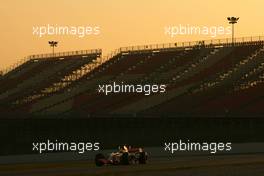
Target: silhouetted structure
(53,44)
(233,21)
(208,78)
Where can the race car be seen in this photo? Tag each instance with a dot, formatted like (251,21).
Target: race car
(125,156)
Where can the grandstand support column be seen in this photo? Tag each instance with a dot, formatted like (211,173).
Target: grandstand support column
(233,21)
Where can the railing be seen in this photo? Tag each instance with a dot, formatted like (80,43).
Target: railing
(109,56)
(20,62)
(50,55)
(214,42)
(192,44)
(63,54)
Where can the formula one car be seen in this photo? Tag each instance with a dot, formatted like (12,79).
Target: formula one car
(125,156)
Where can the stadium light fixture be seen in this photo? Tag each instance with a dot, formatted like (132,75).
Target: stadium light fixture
(233,21)
(53,44)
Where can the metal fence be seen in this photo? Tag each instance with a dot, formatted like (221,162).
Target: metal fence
(63,54)
(51,55)
(192,44)
(214,42)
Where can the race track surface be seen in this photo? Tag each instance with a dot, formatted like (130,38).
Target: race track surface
(231,165)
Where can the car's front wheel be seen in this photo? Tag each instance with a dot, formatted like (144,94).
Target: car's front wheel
(143,158)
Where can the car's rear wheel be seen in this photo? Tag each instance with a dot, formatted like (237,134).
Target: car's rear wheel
(98,159)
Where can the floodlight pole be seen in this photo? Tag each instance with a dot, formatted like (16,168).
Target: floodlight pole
(233,32)
(53,51)
(53,44)
(233,21)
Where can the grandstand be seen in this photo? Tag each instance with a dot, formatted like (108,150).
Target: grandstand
(204,78)
(42,71)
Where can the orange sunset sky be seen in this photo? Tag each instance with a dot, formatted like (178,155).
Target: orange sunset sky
(121,22)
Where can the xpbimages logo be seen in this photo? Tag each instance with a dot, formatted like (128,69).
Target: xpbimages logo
(146,89)
(80,31)
(188,146)
(56,146)
(212,31)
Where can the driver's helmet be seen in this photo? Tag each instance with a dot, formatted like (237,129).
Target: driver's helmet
(123,149)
